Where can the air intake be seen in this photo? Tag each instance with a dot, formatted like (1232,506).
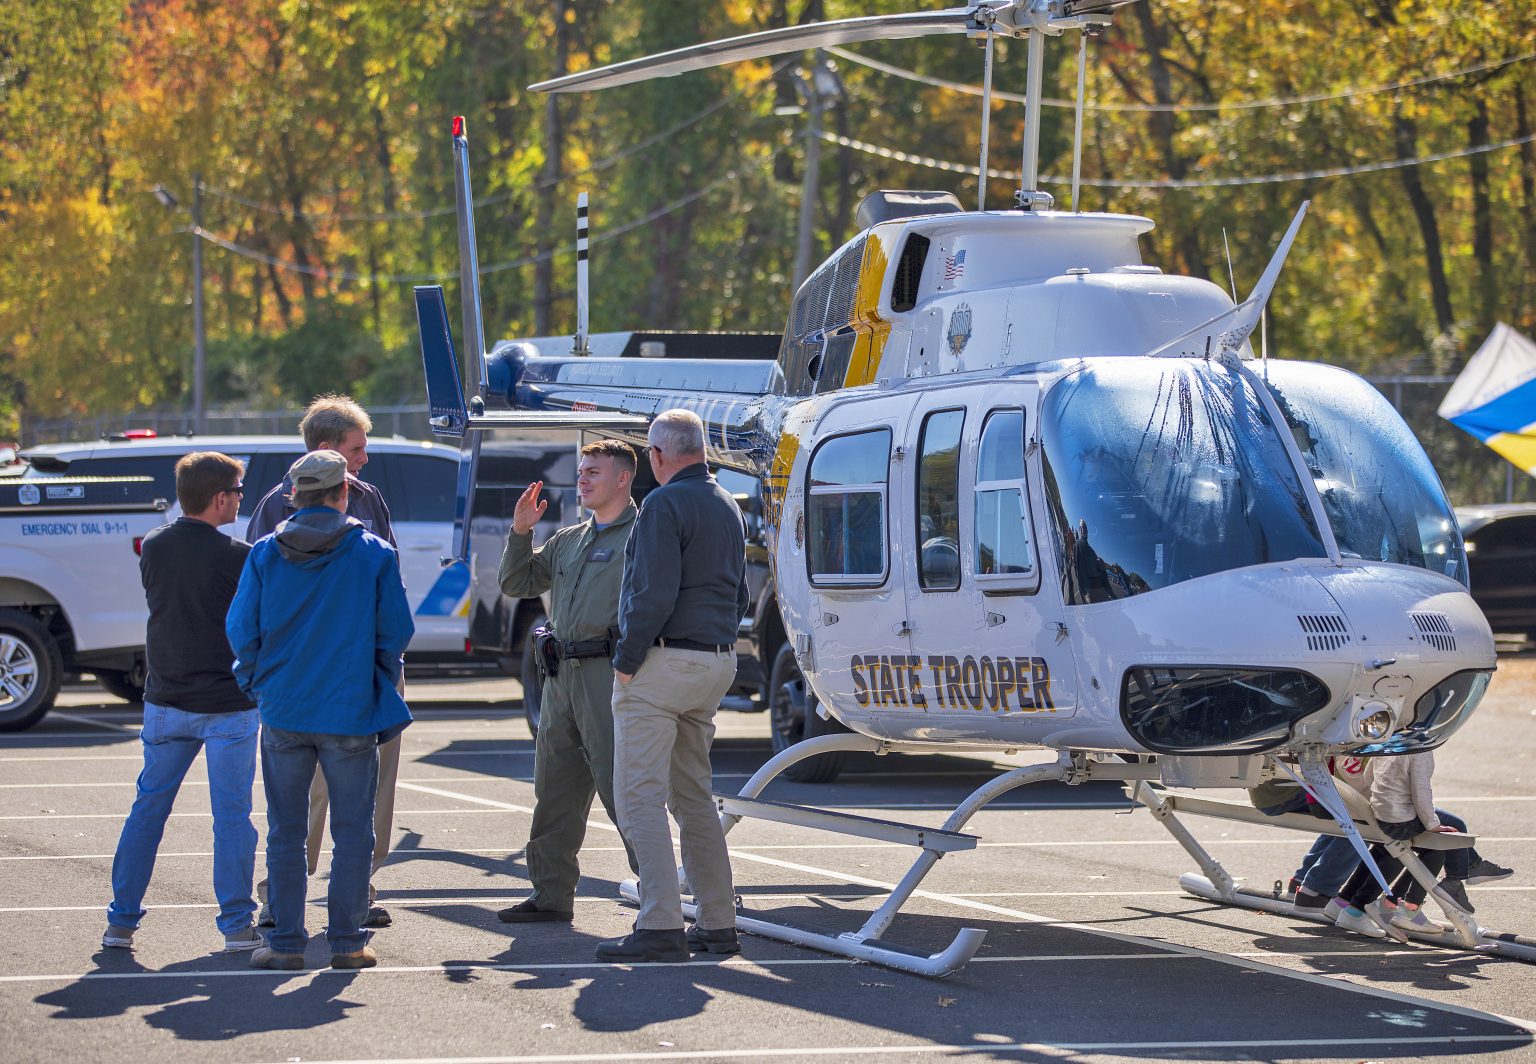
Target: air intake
(1436,630)
(1324,631)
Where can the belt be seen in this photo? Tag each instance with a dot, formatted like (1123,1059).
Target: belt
(583,648)
(689,644)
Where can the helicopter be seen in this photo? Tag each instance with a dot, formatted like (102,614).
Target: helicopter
(1023,490)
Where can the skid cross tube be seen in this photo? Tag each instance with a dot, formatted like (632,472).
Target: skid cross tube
(865,944)
(1217,885)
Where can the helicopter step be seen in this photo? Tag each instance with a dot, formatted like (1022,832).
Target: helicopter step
(1218,886)
(864,827)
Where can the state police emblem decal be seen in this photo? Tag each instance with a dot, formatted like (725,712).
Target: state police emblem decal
(959,332)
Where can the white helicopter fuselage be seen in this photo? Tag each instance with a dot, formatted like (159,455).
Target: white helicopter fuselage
(1022,489)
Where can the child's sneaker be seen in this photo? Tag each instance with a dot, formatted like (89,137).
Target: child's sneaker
(1309,904)
(1384,913)
(240,941)
(1412,918)
(117,937)
(1353,919)
(1485,871)
(1334,907)
(1456,890)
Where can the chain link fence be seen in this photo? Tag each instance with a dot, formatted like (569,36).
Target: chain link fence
(1471,472)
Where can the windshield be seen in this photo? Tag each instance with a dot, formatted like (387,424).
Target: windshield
(1380,492)
(1163,470)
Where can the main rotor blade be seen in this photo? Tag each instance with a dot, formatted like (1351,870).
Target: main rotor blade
(768,42)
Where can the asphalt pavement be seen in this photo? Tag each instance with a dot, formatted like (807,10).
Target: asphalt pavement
(1092,952)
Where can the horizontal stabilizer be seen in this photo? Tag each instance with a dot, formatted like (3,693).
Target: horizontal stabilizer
(447,413)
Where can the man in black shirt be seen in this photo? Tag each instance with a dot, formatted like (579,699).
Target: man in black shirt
(191,702)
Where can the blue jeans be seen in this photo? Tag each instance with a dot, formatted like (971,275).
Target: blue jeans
(1327,865)
(171,739)
(350,764)
(1456,861)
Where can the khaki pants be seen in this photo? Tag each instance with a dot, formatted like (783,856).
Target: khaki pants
(383,809)
(572,762)
(664,722)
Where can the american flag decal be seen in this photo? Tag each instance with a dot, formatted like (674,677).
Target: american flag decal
(954,266)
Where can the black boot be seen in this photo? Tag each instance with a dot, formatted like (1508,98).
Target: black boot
(645,944)
(525,912)
(721,940)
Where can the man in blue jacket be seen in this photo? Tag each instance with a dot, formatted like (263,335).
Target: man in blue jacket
(318,625)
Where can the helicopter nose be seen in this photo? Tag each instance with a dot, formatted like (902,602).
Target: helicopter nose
(1361,656)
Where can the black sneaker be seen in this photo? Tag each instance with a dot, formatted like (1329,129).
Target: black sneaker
(1312,903)
(525,912)
(1456,890)
(720,940)
(1485,871)
(669,945)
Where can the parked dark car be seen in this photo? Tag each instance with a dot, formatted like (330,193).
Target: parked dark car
(1501,559)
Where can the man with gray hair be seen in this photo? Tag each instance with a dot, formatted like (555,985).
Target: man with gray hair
(683,596)
(317,625)
(337,423)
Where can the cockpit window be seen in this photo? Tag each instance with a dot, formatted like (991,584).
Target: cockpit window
(1163,470)
(1380,492)
(1005,557)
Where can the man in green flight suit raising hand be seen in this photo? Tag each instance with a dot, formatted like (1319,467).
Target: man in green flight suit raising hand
(582,566)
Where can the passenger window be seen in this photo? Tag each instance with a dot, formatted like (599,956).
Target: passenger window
(426,487)
(938,501)
(1005,556)
(845,509)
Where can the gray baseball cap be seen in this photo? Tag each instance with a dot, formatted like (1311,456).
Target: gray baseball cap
(317,471)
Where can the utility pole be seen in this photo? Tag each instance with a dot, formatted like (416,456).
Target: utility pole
(199,357)
(822,89)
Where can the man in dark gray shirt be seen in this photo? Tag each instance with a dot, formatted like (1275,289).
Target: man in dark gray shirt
(683,596)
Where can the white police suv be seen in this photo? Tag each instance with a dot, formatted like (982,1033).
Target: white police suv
(72,516)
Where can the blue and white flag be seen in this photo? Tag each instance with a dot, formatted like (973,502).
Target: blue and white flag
(1494,399)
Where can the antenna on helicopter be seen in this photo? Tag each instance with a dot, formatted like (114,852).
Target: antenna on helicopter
(582,299)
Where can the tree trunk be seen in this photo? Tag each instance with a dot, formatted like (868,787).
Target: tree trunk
(1482,218)
(1406,134)
(1527,184)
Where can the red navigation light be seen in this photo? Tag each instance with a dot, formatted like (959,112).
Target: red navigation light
(138,545)
(458,125)
(141,434)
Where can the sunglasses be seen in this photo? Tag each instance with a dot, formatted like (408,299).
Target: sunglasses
(238,489)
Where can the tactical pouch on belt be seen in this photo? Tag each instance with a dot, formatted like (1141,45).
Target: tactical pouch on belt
(546,651)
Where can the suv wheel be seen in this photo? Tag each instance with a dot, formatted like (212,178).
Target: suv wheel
(532,679)
(793,719)
(30,670)
(129,686)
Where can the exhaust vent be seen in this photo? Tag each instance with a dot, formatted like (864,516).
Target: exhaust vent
(1436,630)
(1324,631)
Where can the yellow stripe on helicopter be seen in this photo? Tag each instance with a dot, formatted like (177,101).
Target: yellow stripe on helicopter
(873,330)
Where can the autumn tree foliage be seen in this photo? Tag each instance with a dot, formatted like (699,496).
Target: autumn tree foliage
(319,130)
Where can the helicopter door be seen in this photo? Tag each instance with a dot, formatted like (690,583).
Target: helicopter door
(860,659)
(979,623)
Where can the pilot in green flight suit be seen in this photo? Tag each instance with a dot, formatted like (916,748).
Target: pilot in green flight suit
(581,567)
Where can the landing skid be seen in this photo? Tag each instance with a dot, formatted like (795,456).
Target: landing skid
(867,943)
(1218,886)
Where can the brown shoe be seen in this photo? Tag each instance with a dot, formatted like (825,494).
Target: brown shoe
(267,957)
(363,958)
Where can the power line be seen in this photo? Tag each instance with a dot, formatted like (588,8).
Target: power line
(422,278)
(1217,182)
(1242,105)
